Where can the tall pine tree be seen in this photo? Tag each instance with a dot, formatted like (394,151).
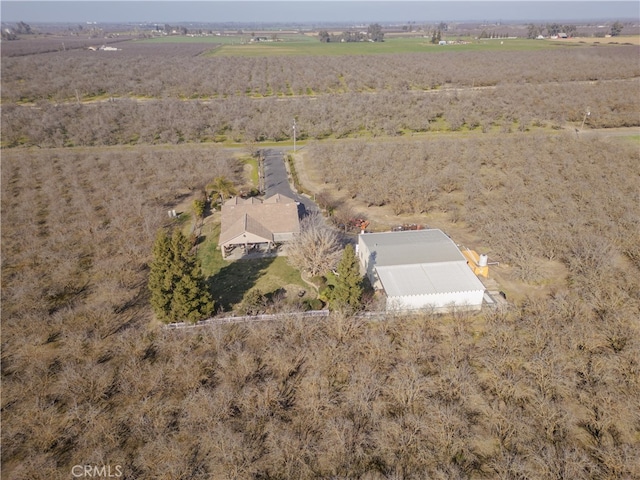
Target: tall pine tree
(160,276)
(178,288)
(347,294)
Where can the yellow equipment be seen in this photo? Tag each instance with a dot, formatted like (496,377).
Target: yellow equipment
(477,263)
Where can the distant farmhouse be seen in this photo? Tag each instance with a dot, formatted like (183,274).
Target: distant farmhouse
(419,269)
(104,48)
(251,225)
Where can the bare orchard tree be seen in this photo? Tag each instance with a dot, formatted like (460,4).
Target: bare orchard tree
(316,249)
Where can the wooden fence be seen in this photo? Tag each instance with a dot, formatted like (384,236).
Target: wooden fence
(247,319)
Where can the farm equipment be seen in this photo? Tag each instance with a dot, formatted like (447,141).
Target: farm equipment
(354,224)
(407,226)
(477,263)
(359,224)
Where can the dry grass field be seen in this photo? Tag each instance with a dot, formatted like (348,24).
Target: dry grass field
(546,387)
(621,40)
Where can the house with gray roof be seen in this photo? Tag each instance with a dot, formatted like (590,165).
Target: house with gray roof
(419,269)
(254,225)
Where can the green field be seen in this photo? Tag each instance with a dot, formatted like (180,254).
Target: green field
(305,45)
(310,46)
(214,39)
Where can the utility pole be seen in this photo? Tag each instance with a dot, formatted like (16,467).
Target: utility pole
(294,135)
(587,113)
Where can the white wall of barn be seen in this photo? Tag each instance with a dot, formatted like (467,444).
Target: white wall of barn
(471,300)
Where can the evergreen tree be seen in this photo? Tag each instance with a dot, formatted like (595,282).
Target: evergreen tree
(616,29)
(159,277)
(347,293)
(178,288)
(191,299)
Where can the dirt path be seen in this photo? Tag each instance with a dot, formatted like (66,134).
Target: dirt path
(605,132)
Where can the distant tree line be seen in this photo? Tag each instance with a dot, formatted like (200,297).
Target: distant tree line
(250,99)
(21,28)
(168,29)
(374,33)
(553,29)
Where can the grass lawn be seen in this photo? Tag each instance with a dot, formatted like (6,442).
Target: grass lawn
(253,163)
(230,281)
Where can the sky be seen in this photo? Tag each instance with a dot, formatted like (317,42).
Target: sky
(314,11)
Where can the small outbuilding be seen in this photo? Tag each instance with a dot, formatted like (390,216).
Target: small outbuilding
(421,269)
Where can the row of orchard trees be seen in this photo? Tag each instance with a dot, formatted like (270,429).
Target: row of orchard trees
(179,71)
(387,113)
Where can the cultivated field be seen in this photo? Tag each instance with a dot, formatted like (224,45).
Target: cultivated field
(310,46)
(546,387)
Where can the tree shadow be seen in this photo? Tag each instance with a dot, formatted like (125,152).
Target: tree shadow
(276,295)
(233,281)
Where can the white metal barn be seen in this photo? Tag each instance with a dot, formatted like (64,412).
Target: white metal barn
(419,269)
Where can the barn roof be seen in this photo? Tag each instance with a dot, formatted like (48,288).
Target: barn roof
(428,279)
(411,247)
(418,262)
